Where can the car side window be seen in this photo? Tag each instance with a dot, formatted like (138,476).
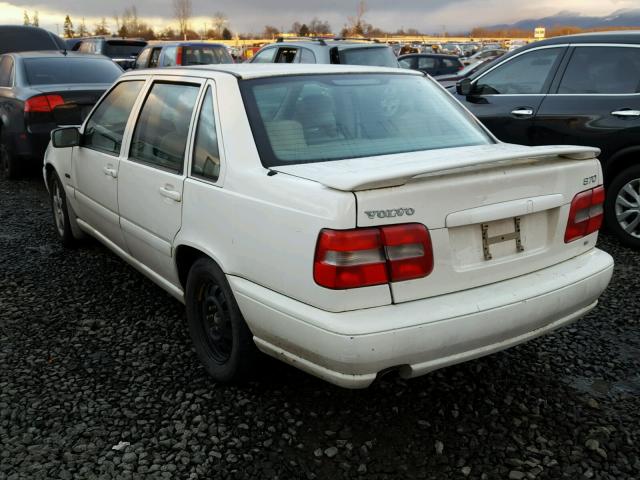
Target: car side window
(160,135)
(143,58)
(105,128)
(6,71)
(155,55)
(169,57)
(525,74)
(287,55)
(206,157)
(449,63)
(265,56)
(602,70)
(406,62)
(426,63)
(307,56)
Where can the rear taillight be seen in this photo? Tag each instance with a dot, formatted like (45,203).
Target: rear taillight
(372,256)
(43,103)
(179,56)
(585,215)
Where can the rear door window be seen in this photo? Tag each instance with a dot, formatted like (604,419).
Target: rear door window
(602,70)
(160,136)
(105,128)
(528,73)
(287,55)
(426,63)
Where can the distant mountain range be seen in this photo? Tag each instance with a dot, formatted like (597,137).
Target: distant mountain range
(620,18)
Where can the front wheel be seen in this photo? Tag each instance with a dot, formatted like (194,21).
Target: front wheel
(222,339)
(60,211)
(622,207)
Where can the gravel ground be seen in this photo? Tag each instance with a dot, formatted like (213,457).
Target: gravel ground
(93,355)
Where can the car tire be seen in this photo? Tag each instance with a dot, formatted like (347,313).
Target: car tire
(622,207)
(8,164)
(60,211)
(221,338)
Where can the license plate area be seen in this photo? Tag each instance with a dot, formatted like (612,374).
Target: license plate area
(489,239)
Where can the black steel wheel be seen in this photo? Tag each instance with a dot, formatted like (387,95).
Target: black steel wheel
(221,338)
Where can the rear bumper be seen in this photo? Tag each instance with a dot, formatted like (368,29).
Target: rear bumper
(350,348)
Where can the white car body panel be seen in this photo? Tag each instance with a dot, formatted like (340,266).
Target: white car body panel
(261,226)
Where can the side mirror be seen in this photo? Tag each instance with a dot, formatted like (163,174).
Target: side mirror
(464,87)
(65,137)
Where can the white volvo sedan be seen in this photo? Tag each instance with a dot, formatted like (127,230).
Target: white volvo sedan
(350,221)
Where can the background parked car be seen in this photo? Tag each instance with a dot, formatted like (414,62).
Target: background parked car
(123,51)
(328,50)
(183,54)
(40,91)
(483,55)
(21,39)
(580,90)
(431,63)
(451,79)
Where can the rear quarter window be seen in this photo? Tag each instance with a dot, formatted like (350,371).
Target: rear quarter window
(206,55)
(372,56)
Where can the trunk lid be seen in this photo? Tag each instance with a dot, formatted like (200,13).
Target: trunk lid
(78,101)
(493,212)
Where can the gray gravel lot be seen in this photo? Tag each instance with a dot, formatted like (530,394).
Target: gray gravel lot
(92,354)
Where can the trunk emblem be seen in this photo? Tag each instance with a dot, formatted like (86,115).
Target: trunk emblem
(397,212)
(487,241)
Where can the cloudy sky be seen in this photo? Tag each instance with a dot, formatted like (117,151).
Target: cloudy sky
(252,15)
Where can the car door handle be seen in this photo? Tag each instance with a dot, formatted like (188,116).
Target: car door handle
(167,191)
(522,112)
(109,170)
(626,113)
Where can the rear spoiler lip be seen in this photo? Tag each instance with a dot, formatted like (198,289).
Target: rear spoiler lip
(351,176)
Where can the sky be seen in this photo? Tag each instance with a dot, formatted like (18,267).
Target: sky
(252,15)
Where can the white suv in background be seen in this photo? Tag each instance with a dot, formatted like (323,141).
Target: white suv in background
(324,216)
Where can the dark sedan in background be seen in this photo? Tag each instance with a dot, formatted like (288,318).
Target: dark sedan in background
(40,91)
(431,63)
(578,90)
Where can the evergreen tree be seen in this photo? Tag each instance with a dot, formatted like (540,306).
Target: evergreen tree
(226,34)
(36,19)
(27,20)
(68,27)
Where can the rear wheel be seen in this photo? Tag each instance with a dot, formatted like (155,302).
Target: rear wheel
(8,163)
(219,334)
(622,207)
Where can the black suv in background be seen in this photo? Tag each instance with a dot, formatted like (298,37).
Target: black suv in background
(580,90)
(123,51)
(14,38)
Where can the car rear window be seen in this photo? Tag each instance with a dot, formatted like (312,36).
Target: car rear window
(16,39)
(372,56)
(315,118)
(50,71)
(206,55)
(123,49)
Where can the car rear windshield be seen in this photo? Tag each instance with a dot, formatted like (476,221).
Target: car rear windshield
(206,55)
(119,49)
(372,56)
(17,39)
(316,118)
(51,71)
